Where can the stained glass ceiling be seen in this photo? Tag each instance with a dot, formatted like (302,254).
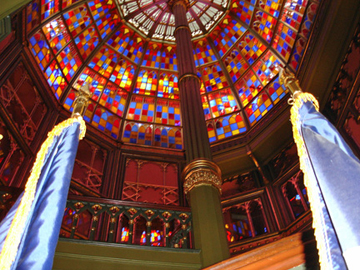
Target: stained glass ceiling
(127,51)
(155,20)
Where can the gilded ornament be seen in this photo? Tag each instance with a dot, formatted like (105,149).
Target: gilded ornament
(166,214)
(132,211)
(79,205)
(201,172)
(114,209)
(149,213)
(96,207)
(183,216)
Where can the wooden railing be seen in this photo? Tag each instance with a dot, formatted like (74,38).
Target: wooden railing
(115,221)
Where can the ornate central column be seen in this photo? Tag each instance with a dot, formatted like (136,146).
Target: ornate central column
(202,177)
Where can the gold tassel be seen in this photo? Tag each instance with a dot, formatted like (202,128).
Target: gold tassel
(305,166)
(13,237)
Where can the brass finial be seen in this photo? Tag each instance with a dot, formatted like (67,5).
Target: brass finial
(289,80)
(81,100)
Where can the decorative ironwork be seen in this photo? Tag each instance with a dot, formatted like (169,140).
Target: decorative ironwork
(114,221)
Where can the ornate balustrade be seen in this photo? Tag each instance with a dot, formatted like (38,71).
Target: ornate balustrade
(126,222)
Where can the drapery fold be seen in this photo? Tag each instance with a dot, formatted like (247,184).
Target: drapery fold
(332,176)
(30,231)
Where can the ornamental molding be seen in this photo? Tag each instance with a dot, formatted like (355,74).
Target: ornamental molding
(201,172)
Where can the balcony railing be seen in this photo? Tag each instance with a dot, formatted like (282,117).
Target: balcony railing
(114,221)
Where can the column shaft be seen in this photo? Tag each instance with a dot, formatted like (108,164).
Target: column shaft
(196,139)
(202,177)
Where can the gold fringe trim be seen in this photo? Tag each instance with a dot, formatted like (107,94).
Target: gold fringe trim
(16,229)
(305,166)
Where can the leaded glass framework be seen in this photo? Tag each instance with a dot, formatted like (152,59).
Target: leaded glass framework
(127,51)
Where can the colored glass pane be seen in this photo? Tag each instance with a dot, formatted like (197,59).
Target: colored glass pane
(57,35)
(222,102)
(211,133)
(134,49)
(67,3)
(32,16)
(146,83)
(167,137)
(113,99)
(123,74)
(276,90)
(120,40)
(141,108)
(293,13)
(284,40)
(48,8)
(99,8)
(272,7)
(206,108)
(145,134)
(97,83)
(69,101)
(244,10)
(105,15)
(291,19)
(267,68)
(304,34)
(152,56)
(124,235)
(69,61)
(168,86)
(174,138)
(40,49)
(202,86)
(55,79)
(87,41)
(214,78)
(204,53)
(258,108)
(168,59)
(229,125)
(235,65)
(77,20)
(130,134)
(104,61)
(226,34)
(248,87)
(167,112)
(264,24)
(251,48)
(89,112)
(107,24)
(106,122)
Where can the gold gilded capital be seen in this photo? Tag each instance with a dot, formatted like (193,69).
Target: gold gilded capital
(201,172)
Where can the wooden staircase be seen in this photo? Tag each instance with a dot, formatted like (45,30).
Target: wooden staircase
(297,251)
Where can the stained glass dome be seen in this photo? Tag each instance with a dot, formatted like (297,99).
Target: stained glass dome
(127,51)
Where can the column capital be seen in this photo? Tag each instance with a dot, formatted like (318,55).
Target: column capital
(201,172)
